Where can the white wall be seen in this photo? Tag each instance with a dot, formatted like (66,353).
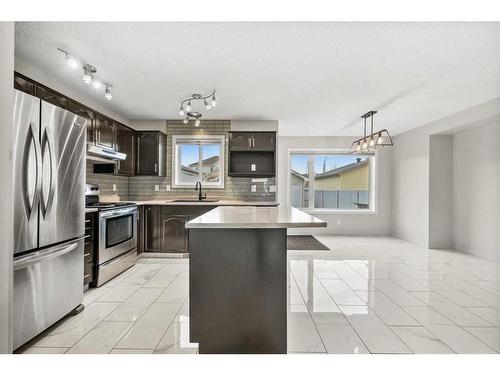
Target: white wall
(410,189)
(440,190)
(46,79)
(160,125)
(355,223)
(6,134)
(476,191)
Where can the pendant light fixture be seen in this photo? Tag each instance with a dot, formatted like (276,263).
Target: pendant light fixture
(369,143)
(186,108)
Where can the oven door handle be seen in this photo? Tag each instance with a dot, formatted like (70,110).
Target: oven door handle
(117,213)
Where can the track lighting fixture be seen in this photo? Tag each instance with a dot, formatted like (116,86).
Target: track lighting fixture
(89,72)
(372,141)
(209,102)
(107,92)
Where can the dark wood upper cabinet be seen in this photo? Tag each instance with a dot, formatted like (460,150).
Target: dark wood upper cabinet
(24,84)
(51,96)
(125,143)
(105,132)
(252,154)
(151,153)
(89,115)
(252,141)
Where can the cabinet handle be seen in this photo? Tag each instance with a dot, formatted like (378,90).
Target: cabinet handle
(253,142)
(156,167)
(138,167)
(249,142)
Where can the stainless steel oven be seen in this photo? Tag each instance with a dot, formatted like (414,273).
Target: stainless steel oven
(117,232)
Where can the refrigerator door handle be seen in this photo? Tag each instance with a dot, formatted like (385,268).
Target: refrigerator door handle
(31,137)
(47,203)
(29,260)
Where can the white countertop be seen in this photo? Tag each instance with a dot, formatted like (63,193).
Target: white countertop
(255,217)
(201,203)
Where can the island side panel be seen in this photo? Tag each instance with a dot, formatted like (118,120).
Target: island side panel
(238,290)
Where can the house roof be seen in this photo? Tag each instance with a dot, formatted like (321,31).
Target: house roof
(209,161)
(189,170)
(341,170)
(295,173)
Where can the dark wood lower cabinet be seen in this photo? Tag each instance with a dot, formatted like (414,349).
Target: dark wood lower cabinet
(152,229)
(90,243)
(174,236)
(163,227)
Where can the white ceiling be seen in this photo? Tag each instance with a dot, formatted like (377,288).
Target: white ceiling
(315,78)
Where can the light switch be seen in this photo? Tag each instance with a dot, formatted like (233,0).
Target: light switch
(157,187)
(114,187)
(167,187)
(253,168)
(253,188)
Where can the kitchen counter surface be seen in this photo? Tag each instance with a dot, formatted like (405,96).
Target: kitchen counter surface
(255,217)
(221,202)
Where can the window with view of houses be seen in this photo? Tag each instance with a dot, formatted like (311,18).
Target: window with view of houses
(198,158)
(330,181)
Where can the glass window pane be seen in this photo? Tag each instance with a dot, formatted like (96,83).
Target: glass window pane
(211,162)
(339,181)
(299,181)
(189,155)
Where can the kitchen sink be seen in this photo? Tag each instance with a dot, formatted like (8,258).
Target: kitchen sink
(195,200)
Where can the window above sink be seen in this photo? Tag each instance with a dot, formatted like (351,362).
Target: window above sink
(198,158)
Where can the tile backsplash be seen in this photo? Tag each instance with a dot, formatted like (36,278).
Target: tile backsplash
(143,187)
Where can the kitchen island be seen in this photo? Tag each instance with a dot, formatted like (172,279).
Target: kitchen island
(238,278)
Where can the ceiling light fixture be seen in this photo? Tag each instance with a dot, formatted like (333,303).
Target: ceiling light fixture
(107,92)
(89,72)
(186,107)
(372,141)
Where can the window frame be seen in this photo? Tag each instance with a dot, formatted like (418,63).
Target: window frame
(197,139)
(372,180)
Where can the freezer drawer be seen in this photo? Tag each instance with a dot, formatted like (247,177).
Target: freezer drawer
(47,286)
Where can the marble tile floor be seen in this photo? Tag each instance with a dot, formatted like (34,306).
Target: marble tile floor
(366,295)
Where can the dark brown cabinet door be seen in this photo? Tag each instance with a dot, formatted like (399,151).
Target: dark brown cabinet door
(105,129)
(240,141)
(152,229)
(23,84)
(174,237)
(51,96)
(125,143)
(89,115)
(151,158)
(264,141)
(140,229)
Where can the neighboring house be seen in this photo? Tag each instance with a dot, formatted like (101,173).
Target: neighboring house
(298,184)
(352,176)
(209,169)
(344,187)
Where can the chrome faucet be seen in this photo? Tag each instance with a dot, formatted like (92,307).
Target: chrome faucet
(198,189)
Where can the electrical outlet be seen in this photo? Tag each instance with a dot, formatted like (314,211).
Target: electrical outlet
(253,188)
(339,222)
(114,187)
(157,187)
(272,188)
(167,187)
(253,167)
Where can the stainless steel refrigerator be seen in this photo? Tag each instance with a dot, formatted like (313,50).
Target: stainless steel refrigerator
(49,215)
